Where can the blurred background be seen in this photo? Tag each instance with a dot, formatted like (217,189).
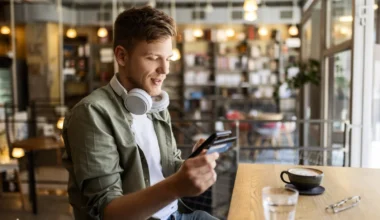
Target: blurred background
(296,80)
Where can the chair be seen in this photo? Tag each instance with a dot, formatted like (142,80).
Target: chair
(11,165)
(17,127)
(267,131)
(48,112)
(40,113)
(287,128)
(22,125)
(244,127)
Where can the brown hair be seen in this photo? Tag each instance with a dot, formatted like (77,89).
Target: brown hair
(139,24)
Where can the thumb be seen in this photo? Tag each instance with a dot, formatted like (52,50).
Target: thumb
(204,151)
(199,142)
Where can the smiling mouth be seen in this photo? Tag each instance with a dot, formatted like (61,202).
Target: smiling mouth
(157,82)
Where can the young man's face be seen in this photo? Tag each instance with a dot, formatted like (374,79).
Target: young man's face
(147,65)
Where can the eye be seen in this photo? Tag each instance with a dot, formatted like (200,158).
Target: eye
(152,57)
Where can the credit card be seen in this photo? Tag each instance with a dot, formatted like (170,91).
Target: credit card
(221,148)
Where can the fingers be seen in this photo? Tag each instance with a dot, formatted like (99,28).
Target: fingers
(208,180)
(205,181)
(199,142)
(199,174)
(204,160)
(204,151)
(212,157)
(207,168)
(211,180)
(203,168)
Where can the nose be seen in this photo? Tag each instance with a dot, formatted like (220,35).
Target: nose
(164,67)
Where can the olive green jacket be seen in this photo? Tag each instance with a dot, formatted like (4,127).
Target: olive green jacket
(102,157)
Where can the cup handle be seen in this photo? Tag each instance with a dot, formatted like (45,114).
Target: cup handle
(282,176)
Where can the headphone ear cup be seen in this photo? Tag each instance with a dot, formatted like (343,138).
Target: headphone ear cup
(162,104)
(138,102)
(124,97)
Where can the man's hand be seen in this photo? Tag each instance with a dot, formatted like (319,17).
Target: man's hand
(195,176)
(198,144)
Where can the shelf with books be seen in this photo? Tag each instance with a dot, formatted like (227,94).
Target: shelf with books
(229,71)
(208,84)
(198,78)
(250,69)
(102,64)
(196,68)
(217,72)
(173,85)
(76,69)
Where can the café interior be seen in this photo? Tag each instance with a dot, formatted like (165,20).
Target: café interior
(296,81)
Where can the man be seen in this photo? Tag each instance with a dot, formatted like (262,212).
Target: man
(122,160)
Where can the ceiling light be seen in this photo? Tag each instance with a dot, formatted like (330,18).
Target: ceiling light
(230,32)
(5,30)
(18,153)
(221,36)
(209,8)
(250,15)
(198,32)
(71,33)
(250,5)
(263,31)
(375,6)
(293,30)
(102,32)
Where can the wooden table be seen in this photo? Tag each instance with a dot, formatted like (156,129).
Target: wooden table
(39,143)
(31,145)
(339,182)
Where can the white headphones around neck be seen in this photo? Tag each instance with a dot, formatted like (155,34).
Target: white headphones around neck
(138,101)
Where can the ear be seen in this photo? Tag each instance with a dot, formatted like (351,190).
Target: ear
(121,55)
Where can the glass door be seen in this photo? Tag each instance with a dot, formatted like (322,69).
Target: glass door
(339,95)
(346,55)
(374,150)
(362,82)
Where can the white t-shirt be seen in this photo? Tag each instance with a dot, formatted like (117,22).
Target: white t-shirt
(146,138)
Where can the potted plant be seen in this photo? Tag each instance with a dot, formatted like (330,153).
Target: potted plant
(309,72)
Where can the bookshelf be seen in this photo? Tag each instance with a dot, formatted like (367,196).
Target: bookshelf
(75,69)
(235,74)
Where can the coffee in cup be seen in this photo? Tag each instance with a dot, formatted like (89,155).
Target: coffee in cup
(303,178)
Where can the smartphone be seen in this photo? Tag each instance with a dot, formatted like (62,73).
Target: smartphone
(215,137)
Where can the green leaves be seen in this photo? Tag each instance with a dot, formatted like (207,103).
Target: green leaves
(309,73)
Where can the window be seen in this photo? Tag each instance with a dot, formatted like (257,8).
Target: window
(339,22)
